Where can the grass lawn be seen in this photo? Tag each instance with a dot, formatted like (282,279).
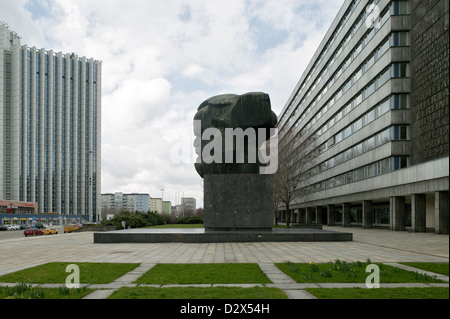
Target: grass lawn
(439,268)
(54,273)
(344,272)
(177,226)
(229,293)
(24,291)
(166,274)
(380,293)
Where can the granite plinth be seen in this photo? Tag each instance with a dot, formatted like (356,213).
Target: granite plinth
(238,202)
(202,236)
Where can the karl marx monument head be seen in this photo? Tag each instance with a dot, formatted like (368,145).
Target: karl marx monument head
(229,131)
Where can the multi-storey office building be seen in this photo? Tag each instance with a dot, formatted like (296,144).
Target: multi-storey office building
(368,119)
(118,202)
(50,106)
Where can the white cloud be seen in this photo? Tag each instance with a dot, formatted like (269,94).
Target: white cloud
(162,59)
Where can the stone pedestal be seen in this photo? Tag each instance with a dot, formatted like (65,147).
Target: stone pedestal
(236,202)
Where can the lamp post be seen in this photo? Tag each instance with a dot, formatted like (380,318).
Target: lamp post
(90,170)
(162,200)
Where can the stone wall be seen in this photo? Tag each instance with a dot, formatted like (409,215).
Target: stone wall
(429,80)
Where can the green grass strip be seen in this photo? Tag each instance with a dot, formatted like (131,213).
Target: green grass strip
(25,291)
(380,293)
(438,268)
(55,273)
(345,272)
(180,274)
(199,293)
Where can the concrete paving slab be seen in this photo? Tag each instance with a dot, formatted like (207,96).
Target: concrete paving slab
(239,285)
(100,294)
(299,294)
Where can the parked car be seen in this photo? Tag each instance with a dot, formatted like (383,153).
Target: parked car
(32,232)
(11,227)
(70,228)
(3,228)
(49,231)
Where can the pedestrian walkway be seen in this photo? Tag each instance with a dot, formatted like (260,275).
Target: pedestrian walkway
(280,280)
(377,245)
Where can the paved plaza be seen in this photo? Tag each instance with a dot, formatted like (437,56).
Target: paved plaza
(375,244)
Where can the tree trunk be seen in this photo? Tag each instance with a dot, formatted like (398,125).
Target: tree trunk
(288,216)
(276,217)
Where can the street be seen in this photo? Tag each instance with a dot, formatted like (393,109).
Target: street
(12,234)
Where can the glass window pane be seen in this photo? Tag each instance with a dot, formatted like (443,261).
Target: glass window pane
(403,132)
(384,137)
(358,174)
(371,170)
(358,150)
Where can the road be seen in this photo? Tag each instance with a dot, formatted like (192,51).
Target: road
(11,234)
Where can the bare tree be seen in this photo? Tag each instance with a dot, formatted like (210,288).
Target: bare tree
(276,203)
(291,168)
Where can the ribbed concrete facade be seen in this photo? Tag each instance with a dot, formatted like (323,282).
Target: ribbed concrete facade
(50,128)
(369,157)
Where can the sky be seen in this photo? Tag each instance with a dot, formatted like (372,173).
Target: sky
(162,59)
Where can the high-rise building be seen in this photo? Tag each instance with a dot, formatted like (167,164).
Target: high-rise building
(167,207)
(156,205)
(50,117)
(368,120)
(119,202)
(188,206)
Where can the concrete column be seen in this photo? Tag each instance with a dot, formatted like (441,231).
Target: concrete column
(367,214)
(419,213)
(397,213)
(441,212)
(346,214)
(319,215)
(331,211)
(309,215)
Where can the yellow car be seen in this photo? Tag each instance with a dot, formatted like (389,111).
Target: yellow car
(70,228)
(50,231)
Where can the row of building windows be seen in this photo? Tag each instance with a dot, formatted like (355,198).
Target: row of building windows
(365,66)
(393,133)
(353,103)
(358,48)
(382,167)
(395,102)
(380,215)
(396,39)
(334,56)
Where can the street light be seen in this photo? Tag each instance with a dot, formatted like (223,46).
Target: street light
(90,171)
(162,200)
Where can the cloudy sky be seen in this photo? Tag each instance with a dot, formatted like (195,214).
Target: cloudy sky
(162,59)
